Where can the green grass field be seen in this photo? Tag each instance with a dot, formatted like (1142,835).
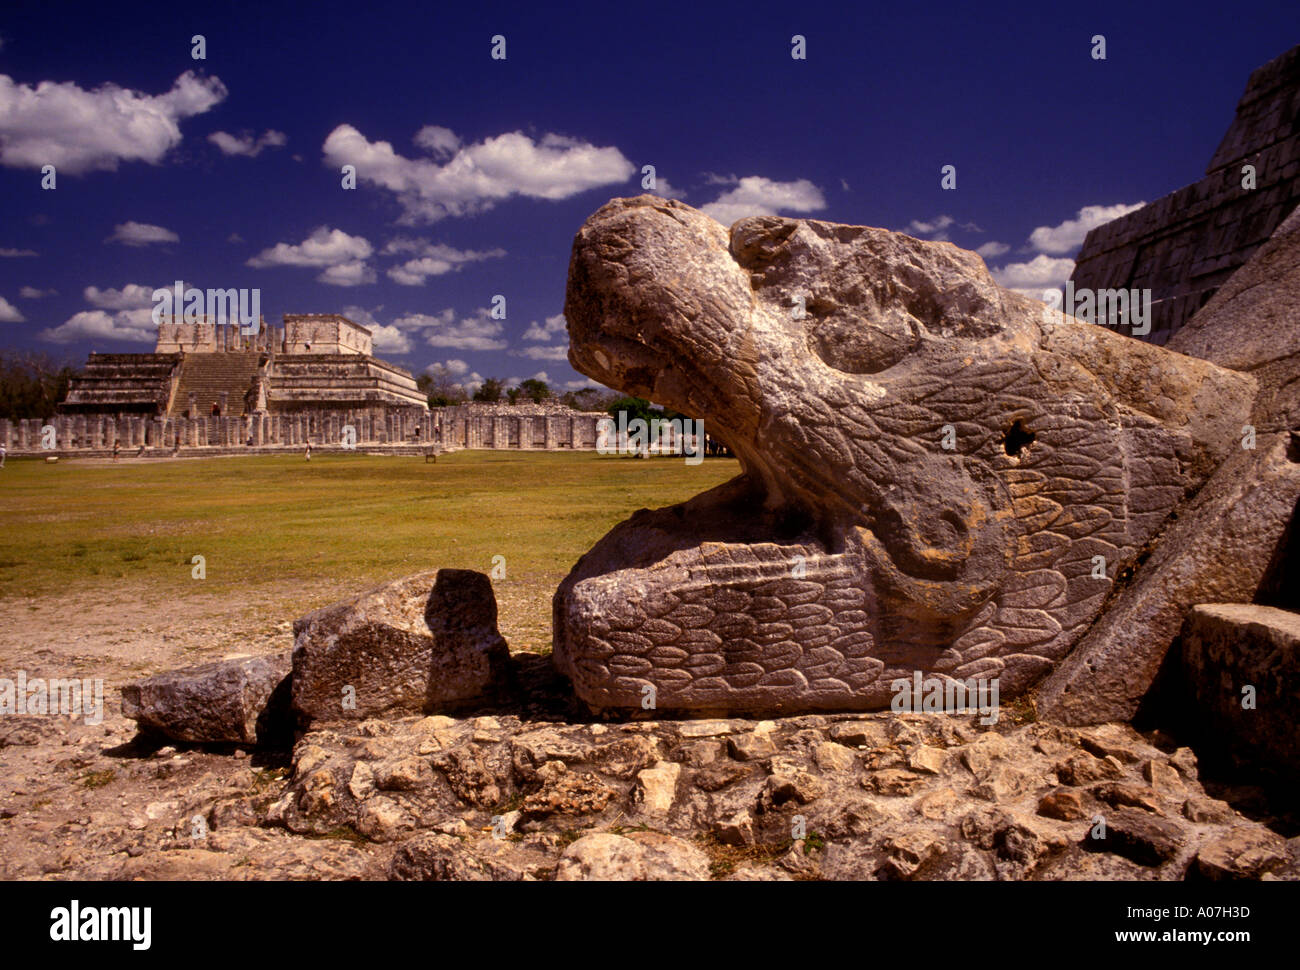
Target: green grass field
(339,521)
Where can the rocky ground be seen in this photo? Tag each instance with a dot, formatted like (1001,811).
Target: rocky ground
(536,790)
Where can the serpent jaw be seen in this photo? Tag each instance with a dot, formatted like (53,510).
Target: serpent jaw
(880,418)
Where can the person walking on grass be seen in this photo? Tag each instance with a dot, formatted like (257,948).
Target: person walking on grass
(3,452)
(117,448)
(309,451)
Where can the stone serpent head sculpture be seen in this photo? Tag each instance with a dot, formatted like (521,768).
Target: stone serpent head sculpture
(939,475)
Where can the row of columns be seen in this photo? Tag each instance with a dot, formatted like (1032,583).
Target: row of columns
(456,427)
(464,428)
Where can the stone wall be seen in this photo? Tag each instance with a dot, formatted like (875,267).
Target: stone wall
(124,383)
(325,333)
(1184,246)
(207,337)
(472,427)
(323,381)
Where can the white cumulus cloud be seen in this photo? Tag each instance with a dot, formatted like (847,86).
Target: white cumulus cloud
(340,257)
(545,331)
(1056,240)
(755,195)
(389,340)
(936,229)
(667,191)
(78,131)
(121,314)
(133,233)
(1031,278)
(134,326)
(460,179)
(132,296)
(458,373)
(354,273)
(455,367)
(433,260)
(542,352)
(479,332)
(10,313)
(246,144)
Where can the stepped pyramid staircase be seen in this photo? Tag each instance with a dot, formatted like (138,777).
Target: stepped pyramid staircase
(207,375)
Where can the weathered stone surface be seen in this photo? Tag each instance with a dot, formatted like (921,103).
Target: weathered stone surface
(1217,551)
(1062,804)
(657,787)
(425,643)
(737,830)
(1251,319)
(1228,648)
(636,857)
(1199,809)
(1224,546)
(855,549)
(1244,854)
(240,701)
(487,810)
(1139,836)
(1129,796)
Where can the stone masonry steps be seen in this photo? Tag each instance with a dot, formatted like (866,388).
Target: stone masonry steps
(208,375)
(1241,666)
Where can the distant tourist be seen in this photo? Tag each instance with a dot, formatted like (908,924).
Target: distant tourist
(309,451)
(117,448)
(3,452)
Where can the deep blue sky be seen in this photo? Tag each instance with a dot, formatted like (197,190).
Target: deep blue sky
(707,93)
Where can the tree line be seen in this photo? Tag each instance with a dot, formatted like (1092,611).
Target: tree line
(443,390)
(31,384)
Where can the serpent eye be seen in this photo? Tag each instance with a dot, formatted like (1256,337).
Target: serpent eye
(860,339)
